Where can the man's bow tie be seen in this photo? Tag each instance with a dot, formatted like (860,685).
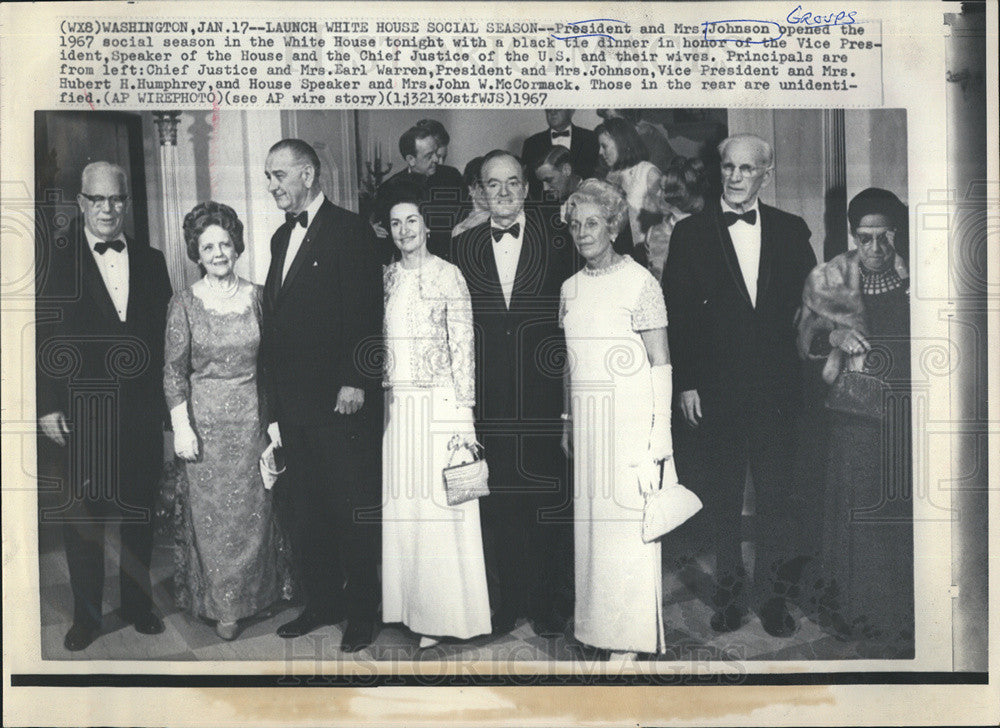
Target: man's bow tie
(498,233)
(563,133)
(302,218)
(115,245)
(749,217)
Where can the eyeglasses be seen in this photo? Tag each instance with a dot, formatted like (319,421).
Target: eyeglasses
(869,237)
(100,200)
(745,170)
(513,186)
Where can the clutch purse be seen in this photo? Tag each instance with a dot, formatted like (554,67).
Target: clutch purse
(666,508)
(466,481)
(272,465)
(858,394)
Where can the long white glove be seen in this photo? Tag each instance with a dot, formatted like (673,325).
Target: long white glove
(185,439)
(660,444)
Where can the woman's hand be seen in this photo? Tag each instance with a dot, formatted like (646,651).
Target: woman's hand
(185,443)
(850,341)
(660,445)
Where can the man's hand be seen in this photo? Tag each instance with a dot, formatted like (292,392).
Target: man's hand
(380,230)
(274,433)
(54,427)
(691,407)
(567,439)
(349,400)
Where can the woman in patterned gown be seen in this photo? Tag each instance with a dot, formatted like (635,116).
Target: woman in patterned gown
(618,388)
(232,561)
(433,572)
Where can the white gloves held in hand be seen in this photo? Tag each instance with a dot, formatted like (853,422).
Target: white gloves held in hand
(185,439)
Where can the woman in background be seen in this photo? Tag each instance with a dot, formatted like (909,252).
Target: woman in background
(232,561)
(433,572)
(626,157)
(682,194)
(855,319)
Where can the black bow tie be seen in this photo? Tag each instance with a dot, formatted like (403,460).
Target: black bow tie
(563,133)
(302,218)
(749,217)
(498,233)
(116,245)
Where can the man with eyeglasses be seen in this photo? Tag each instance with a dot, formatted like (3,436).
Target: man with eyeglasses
(733,282)
(514,266)
(102,305)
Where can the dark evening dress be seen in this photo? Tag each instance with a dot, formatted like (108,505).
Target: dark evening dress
(232,560)
(868,504)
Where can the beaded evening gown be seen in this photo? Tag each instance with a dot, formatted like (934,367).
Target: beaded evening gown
(231,556)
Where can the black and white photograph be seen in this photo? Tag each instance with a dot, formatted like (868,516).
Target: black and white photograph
(499,363)
(344,373)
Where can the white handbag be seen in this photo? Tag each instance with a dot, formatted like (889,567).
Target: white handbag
(667,506)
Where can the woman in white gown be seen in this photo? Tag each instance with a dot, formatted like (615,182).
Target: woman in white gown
(618,389)
(433,573)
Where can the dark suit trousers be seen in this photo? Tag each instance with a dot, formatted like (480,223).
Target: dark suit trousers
(334,474)
(97,502)
(758,434)
(527,526)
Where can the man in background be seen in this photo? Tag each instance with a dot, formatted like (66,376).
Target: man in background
(581,143)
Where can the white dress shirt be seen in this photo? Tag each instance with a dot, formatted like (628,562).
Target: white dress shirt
(507,252)
(746,242)
(298,234)
(114,271)
(562,141)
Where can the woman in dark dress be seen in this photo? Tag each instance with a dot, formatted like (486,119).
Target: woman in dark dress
(856,317)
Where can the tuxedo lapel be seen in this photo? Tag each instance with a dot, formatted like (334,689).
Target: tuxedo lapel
(273,283)
(530,263)
(729,253)
(315,230)
(767,250)
(135,273)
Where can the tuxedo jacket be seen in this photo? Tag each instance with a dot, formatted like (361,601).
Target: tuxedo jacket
(518,349)
(323,323)
(82,342)
(582,154)
(720,344)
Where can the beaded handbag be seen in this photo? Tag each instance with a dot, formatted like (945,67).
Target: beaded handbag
(466,481)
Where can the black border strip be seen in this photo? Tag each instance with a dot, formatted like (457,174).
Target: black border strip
(133,680)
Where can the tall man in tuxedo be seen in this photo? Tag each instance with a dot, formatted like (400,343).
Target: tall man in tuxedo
(322,322)
(582,145)
(514,267)
(733,282)
(102,308)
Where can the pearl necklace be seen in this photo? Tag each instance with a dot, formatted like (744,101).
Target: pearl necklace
(223,292)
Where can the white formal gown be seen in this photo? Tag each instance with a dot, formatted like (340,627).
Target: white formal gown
(618,577)
(433,572)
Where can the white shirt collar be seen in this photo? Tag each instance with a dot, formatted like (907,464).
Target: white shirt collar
(314,206)
(518,221)
(726,207)
(93,240)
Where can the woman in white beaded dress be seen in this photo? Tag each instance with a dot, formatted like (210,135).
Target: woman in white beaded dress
(618,425)
(232,559)
(433,572)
